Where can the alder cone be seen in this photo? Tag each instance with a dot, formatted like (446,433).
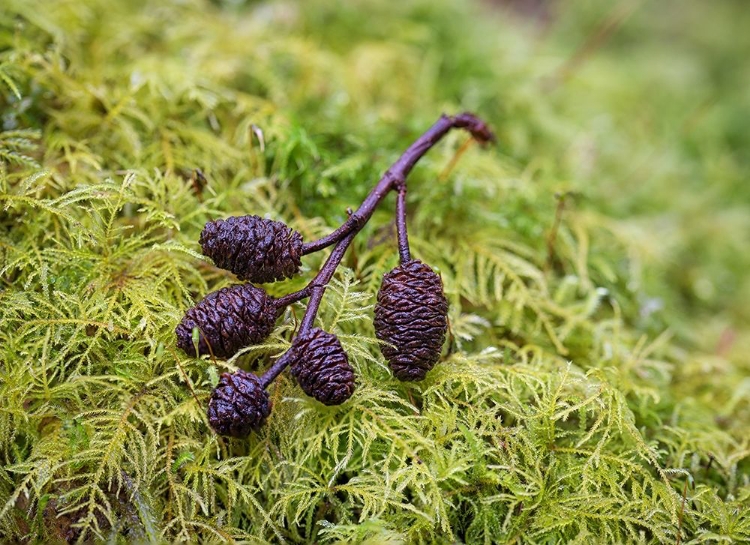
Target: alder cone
(238,404)
(321,367)
(412,316)
(228,320)
(254,248)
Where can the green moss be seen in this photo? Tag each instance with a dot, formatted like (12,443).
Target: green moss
(599,386)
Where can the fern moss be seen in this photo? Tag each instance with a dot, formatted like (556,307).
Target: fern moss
(595,263)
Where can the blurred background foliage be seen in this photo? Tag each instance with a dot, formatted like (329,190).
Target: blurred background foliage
(598,385)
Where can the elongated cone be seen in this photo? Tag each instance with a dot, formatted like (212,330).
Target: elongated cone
(254,248)
(228,320)
(321,367)
(411,315)
(238,404)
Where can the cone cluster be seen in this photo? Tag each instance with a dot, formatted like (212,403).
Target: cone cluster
(410,317)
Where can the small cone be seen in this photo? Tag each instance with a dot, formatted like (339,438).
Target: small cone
(228,320)
(255,249)
(238,404)
(412,316)
(321,367)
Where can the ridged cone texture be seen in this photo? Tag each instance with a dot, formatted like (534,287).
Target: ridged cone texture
(254,248)
(228,320)
(321,367)
(238,404)
(411,315)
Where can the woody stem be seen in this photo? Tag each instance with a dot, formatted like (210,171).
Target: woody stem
(294,297)
(395,176)
(403,237)
(315,290)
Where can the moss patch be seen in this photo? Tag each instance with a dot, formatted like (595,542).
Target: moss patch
(595,261)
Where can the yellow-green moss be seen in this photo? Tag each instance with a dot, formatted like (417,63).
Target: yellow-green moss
(599,387)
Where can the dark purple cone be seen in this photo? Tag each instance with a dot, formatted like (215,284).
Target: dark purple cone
(321,367)
(238,404)
(412,315)
(255,249)
(228,320)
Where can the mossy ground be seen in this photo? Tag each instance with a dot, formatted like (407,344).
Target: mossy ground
(595,260)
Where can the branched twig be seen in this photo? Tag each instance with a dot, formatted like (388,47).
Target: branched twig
(395,176)
(393,179)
